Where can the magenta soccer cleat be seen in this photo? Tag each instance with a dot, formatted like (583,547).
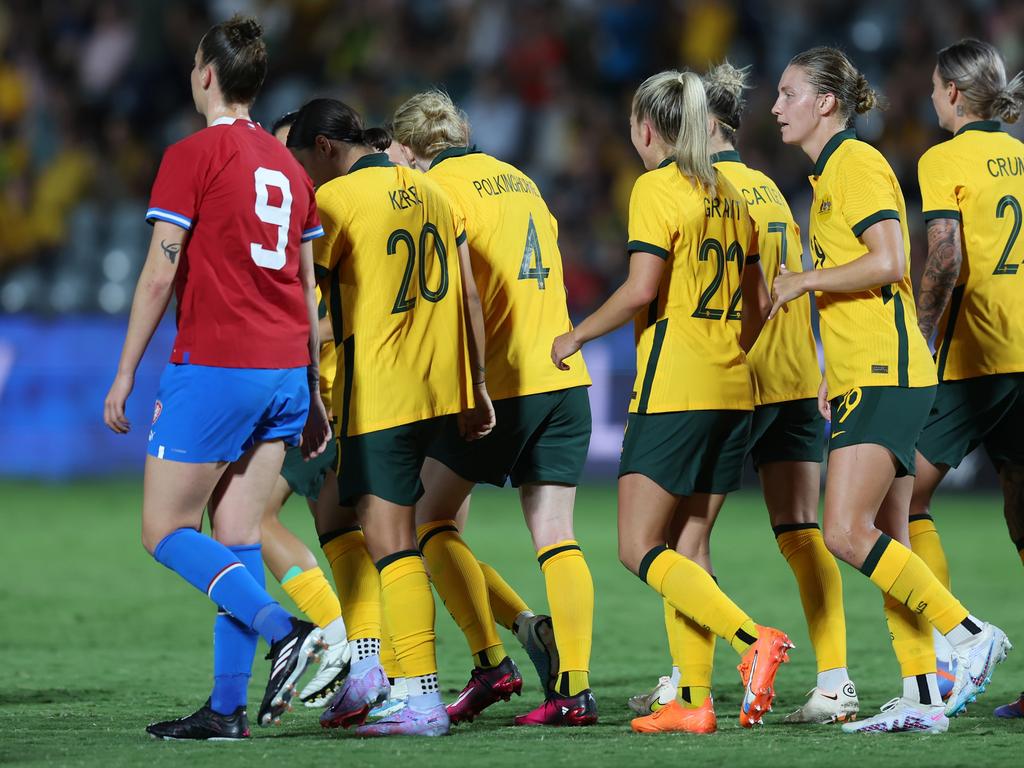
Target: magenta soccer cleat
(358,695)
(485,687)
(409,721)
(563,711)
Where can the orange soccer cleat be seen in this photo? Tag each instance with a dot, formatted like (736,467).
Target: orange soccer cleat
(675,718)
(757,671)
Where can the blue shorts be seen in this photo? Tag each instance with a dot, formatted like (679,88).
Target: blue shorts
(206,414)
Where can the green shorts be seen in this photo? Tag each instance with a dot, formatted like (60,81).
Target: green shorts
(987,410)
(387,463)
(789,431)
(892,417)
(306,478)
(540,438)
(687,452)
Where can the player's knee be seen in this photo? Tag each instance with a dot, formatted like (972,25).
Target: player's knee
(628,557)
(841,541)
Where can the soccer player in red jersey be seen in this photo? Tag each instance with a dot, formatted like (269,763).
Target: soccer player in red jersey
(233,215)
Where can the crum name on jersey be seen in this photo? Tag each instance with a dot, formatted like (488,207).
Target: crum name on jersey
(504,182)
(401,199)
(1005,166)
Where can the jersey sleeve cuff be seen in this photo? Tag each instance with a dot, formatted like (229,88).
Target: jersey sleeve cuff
(320,272)
(862,225)
(312,233)
(461,238)
(639,245)
(162,214)
(942,214)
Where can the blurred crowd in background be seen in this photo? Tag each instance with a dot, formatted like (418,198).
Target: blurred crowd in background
(92,91)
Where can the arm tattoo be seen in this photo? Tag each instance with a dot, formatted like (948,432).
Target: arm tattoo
(941,271)
(170,250)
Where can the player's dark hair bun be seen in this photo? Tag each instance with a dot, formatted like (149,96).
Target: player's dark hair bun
(242,31)
(378,138)
(235,49)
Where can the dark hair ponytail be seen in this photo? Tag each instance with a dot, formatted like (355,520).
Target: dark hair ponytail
(335,120)
(235,49)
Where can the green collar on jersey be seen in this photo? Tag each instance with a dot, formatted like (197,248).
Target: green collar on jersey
(374,160)
(830,147)
(990,126)
(453,152)
(666,161)
(728,156)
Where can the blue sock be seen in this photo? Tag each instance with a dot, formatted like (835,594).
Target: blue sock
(212,568)
(234,644)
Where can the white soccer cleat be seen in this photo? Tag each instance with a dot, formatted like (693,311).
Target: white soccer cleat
(334,666)
(902,716)
(663,694)
(976,658)
(827,706)
(395,701)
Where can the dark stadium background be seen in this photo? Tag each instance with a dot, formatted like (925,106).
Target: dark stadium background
(92,92)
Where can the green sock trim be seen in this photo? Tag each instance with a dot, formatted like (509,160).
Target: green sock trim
(291,573)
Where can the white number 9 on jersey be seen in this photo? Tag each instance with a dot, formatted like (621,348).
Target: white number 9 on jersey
(278,215)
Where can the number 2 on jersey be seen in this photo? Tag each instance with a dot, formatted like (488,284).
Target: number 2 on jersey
(532,251)
(278,215)
(404,302)
(722,255)
(1011,202)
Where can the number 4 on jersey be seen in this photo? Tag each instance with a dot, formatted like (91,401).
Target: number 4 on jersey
(530,252)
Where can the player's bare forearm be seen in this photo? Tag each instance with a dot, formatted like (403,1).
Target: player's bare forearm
(885,262)
(152,293)
(941,271)
(756,305)
(639,290)
(475,315)
(308,281)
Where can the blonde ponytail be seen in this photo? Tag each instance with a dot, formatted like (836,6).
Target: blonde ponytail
(677,107)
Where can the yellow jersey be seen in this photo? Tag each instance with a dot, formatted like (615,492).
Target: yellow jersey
(389,268)
(688,354)
(513,244)
(977,178)
(870,337)
(784,359)
(328,357)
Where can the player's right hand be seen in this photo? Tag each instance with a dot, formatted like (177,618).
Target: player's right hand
(824,406)
(113,406)
(317,432)
(478,421)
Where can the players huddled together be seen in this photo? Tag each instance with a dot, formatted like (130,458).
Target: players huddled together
(375,319)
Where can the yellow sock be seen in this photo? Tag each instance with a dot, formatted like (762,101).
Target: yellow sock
(313,596)
(388,661)
(695,594)
(926,544)
(408,607)
(911,636)
(571,602)
(460,582)
(673,629)
(821,591)
(506,604)
(697,650)
(356,580)
(899,572)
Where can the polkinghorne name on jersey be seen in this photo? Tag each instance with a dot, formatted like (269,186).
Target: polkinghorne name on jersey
(505,182)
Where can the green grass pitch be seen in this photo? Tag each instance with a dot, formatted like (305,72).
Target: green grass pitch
(99,640)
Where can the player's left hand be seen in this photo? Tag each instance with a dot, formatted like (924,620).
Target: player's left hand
(113,406)
(564,346)
(317,432)
(786,287)
(478,421)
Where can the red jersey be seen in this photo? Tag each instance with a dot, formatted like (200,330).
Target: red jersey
(247,205)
